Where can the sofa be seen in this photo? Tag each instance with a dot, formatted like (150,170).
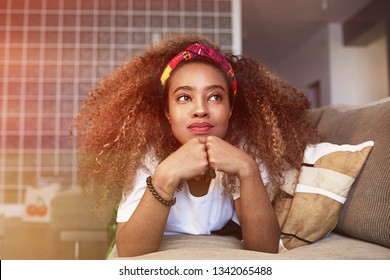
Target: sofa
(361,225)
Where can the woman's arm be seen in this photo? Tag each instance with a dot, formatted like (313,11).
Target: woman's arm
(259,225)
(143,232)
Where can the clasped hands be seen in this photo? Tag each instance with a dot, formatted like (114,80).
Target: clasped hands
(202,156)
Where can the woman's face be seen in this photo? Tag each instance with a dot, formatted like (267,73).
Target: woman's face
(198,102)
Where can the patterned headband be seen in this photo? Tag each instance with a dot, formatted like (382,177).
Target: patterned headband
(192,52)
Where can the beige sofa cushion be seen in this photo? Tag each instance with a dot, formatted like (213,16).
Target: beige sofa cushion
(365,214)
(192,247)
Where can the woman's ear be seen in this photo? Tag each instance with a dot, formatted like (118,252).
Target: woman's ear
(167,115)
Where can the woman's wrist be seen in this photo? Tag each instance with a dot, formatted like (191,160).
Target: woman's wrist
(165,183)
(156,185)
(249,169)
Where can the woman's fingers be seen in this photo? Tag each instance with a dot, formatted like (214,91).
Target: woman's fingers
(222,156)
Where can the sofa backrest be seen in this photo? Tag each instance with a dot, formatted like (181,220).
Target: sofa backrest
(365,215)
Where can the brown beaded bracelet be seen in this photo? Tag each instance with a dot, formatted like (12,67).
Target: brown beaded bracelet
(157,195)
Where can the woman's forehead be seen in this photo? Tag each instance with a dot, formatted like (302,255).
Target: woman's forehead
(198,70)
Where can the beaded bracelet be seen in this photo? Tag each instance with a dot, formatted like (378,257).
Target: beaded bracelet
(157,195)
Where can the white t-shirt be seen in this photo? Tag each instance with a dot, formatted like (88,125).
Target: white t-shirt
(190,214)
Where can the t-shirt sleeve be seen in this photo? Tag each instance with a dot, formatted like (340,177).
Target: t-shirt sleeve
(130,202)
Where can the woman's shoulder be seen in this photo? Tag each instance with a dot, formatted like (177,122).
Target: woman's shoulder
(149,162)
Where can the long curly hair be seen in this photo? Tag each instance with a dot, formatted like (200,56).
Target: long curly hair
(123,119)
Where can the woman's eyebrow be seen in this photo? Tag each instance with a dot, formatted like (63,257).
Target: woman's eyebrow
(214,87)
(208,88)
(187,88)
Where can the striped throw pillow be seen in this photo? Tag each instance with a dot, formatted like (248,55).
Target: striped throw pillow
(311,211)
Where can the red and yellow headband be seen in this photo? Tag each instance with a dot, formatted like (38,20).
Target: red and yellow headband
(192,52)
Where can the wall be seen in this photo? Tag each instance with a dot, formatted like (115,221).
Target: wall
(358,75)
(53,52)
(347,75)
(309,64)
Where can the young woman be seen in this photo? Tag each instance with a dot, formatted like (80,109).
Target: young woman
(190,140)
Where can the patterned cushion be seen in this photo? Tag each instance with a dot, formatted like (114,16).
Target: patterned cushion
(312,209)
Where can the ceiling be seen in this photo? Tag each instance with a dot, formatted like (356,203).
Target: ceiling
(273,28)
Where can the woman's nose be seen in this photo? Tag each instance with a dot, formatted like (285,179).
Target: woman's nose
(200,110)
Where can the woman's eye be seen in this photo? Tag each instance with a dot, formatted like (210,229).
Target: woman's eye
(215,97)
(184,98)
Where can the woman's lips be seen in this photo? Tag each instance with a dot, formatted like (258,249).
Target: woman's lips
(200,127)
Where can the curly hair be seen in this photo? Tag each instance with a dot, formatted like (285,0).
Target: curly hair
(123,119)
